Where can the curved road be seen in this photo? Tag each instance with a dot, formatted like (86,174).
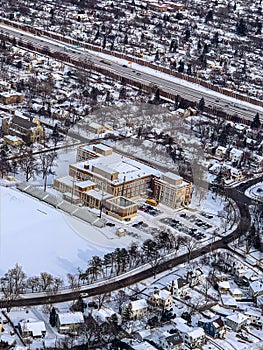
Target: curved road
(127,279)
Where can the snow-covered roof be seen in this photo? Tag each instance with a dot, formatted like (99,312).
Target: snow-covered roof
(236,152)
(34,326)
(103,147)
(98,194)
(162,294)
(224,285)
(103,314)
(237,318)
(70,318)
(235,291)
(139,304)
(127,168)
(95,125)
(228,300)
(254,313)
(84,184)
(143,346)
(256,286)
(196,333)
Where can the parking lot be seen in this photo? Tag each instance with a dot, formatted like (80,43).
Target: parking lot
(199,225)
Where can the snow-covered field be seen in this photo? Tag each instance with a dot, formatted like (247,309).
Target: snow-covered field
(40,238)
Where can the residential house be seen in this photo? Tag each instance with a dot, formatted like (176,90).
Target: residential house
(105,316)
(214,326)
(193,337)
(236,155)
(22,127)
(132,344)
(221,152)
(254,318)
(223,286)
(236,293)
(137,309)
(259,302)
(13,140)
(11,97)
(235,174)
(67,322)
(4,85)
(143,334)
(157,6)
(255,289)
(195,277)
(228,301)
(161,298)
(239,270)
(32,328)
(177,285)
(236,321)
(96,128)
(179,282)
(171,341)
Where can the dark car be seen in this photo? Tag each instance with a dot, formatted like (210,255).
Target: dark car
(110,224)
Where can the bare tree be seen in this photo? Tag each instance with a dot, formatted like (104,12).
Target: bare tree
(190,244)
(46,163)
(33,283)
(27,163)
(13,283)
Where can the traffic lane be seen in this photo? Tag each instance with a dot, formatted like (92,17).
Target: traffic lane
(171,87)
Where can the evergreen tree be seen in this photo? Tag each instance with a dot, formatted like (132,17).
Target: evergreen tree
(125,42)
(187,35)
(241,27)
(256,122)
(189,69)
(4,163)
(104,42)
(156,98)
(126,313)
(53,317)
(181,67)
(97,35)
(259,28)
(209,16)
(201,104)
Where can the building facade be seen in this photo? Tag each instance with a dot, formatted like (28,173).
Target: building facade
(114,175)
(29,131)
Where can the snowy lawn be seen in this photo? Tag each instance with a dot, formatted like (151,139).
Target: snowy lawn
(41,238)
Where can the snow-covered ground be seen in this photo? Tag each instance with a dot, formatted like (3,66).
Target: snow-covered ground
(41,238)
(255,192)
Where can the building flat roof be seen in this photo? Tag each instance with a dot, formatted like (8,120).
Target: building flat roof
(128,169)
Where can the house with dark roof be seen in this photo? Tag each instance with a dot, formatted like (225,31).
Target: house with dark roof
(214,326)
(29,131)
(171,341)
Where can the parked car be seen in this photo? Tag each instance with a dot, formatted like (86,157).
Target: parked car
(111,224)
